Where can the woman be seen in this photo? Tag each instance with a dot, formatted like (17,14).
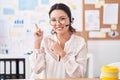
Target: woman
(62,54)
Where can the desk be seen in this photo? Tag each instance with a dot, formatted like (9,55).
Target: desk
(62,79)
(72,79)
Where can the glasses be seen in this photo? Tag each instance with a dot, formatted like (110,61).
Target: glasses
(61,20)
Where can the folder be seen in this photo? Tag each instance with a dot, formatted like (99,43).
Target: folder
(2,67)
(7,67)
(13,67)
(21,67)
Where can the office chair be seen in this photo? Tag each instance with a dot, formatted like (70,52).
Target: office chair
(89,68)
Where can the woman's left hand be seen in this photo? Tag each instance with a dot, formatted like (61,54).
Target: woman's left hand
(55,47)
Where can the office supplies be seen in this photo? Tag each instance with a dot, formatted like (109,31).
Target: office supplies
(109,73)
(12,68)
(1,67)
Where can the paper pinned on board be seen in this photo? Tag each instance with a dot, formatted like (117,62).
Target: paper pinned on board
(4,28)
(114,27)
(96,34)
(110,14)
(99,4)
(92,20)
(91,1)
(105,30)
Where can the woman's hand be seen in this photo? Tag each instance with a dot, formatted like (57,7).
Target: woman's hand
(38,35)
(55,47)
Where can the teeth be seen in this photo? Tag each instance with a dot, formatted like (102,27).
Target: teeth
(59,28)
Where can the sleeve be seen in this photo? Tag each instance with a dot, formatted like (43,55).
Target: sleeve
(37,61)
(75,65)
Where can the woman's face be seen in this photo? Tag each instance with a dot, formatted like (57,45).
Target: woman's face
(59,20)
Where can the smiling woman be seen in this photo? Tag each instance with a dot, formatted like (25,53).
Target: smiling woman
(63,54)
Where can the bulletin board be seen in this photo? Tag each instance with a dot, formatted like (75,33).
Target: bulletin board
(110,35)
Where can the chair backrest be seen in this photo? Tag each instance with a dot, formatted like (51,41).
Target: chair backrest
(89,70)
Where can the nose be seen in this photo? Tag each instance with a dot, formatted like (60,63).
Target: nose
(57,22)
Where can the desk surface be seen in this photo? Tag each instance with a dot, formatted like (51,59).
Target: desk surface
(72,79)
(61,79)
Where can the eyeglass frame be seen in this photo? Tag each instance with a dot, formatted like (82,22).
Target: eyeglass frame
(59,20)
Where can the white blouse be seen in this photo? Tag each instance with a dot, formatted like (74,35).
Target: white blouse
(46,63)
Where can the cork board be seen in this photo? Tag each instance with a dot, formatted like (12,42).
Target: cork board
(85,33)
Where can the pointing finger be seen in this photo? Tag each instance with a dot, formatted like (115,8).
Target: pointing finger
(37,28)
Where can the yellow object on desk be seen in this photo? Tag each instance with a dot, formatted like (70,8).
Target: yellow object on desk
(61,79)
(110,73)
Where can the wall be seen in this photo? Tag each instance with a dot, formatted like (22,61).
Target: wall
(18,19)
(104,52)
(17,23)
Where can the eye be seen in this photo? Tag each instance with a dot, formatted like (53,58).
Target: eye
(62,18)
(53,20)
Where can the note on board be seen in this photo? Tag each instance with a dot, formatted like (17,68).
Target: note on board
(96,34)
(110,13)
(92,20)
(91,1)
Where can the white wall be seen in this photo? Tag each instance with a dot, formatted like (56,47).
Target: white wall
(104,52)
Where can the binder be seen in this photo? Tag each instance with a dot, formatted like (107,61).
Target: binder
(12,68)
(1,67)
(8,67)
(21,69)
(13,64)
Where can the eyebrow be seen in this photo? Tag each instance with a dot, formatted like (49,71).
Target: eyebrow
(59,17)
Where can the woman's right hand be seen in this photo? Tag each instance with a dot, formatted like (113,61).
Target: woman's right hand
(38,35)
